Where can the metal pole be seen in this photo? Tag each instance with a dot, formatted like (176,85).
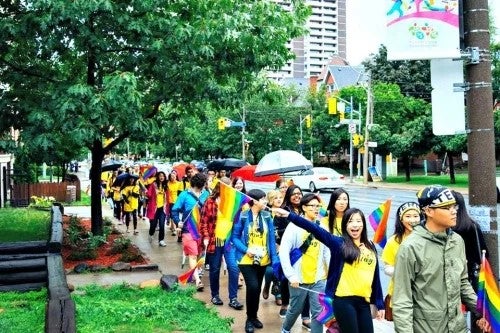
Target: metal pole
(369,106)
(243,136)
(359,131)
(351,148)
(481,138)
(301,142)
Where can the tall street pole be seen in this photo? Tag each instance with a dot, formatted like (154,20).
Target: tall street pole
(481,138)
(369,115)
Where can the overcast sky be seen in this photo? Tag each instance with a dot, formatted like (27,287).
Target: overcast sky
(366,27)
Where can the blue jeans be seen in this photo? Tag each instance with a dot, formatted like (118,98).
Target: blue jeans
(159,218)
(215,261)
(298,297)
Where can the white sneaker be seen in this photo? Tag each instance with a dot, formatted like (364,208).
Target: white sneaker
(162,244)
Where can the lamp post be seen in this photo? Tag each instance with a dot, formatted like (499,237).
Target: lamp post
(369,112)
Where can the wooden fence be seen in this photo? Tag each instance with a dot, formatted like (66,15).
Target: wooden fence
(62,192)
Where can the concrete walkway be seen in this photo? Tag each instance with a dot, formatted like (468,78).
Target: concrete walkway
(169,260)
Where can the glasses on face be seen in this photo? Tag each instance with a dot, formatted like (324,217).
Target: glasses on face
(449,208)
(314,206)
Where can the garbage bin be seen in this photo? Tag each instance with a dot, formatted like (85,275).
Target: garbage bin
(70,193)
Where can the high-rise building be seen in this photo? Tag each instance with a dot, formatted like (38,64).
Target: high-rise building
(327,37)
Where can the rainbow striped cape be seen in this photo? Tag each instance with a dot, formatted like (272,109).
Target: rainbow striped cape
(488,296)
(378,220)
(193,222)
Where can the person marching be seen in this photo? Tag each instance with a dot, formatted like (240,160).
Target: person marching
(157,207)
(130,194)
(338,204)
(353,280)
(174,186)
(407,216)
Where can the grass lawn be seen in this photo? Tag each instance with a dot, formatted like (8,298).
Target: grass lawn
(119,308)
(24,224)
(462,180)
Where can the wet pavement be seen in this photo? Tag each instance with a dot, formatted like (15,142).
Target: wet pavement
(169,260)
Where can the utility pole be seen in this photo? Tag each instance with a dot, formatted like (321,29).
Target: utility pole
(480,138)
(369,115)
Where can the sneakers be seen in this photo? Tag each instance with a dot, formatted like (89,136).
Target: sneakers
(257,323)
(217,301)
(249,327)
(282,313)
(150,239)
(307,326)
(179,239)
(236,305)
(136,232)
(162,243)
(200,286)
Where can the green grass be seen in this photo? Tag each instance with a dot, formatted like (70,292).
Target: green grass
(85,201)
(23,312)
(122,308)
(118,308)
(462,180)
(24,224)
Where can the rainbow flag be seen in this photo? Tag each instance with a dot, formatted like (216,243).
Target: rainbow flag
(230,204)
(149,172)
(188,276)
(378,220)
(326,314)
(193,222)
(488,296)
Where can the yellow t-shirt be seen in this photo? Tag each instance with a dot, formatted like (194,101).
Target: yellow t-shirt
(356,278)
(337,228)
(257,240)
(160,197)
(310,259)
(389,257)
(131,203)
(173,190)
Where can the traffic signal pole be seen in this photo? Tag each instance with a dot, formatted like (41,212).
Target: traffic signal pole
(480,129)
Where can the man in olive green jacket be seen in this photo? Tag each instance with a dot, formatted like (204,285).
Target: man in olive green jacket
(430,277)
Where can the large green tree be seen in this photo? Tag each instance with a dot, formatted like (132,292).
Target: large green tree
(96,69)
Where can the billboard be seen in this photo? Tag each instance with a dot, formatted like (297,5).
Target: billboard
(422,29)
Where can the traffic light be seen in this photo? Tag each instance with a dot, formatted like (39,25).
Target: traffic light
(221,124)
(341,116)
(355,139)
(332,105)
(308,121)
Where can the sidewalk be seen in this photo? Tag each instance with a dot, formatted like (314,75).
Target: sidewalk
(169,260)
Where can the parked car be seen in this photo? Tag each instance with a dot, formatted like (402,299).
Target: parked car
(317,178)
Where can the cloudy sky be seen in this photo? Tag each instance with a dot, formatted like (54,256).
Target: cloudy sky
(366,27)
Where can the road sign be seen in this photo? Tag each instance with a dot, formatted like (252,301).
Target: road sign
(349,121)
(352,128)
(347,109)
(372,144)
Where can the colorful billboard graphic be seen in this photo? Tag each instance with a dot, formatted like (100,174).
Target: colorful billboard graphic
(422,29)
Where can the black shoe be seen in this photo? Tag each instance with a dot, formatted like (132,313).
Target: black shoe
(217,301)
(249,327)
(256,323)
(236,305)
(282,313)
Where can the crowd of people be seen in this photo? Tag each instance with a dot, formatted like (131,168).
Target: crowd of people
(297,247)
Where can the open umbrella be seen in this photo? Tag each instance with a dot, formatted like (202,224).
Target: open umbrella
(282,161)
(180,169)
(111,166)
(226,164)
(123,179)
(248,173)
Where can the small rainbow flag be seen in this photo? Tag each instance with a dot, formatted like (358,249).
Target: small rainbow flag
(488,296)
(230,205)
(326,314)
(149,172)
(378,220)
(188,276)
(193,222)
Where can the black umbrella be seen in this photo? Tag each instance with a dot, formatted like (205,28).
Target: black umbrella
(123,179)
(111,166)
(226,164)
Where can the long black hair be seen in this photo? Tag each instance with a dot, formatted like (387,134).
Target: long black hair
(351,251)
(287,202)
(162,184)
(399,227)
(464,221)
(331,206)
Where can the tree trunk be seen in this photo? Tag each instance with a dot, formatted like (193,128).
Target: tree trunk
(95,188)
(451,168)
(406,164)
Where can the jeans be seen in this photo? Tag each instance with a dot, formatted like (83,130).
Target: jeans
(134,218)
(159,218)
(253,275)
(215,261)
(298,297)
(353,314)
(117,210)
(285,299)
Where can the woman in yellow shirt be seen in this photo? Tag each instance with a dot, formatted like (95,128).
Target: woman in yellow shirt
(174,186)
(407,216)
(339,203)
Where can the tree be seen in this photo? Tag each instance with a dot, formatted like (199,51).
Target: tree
(102,69)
